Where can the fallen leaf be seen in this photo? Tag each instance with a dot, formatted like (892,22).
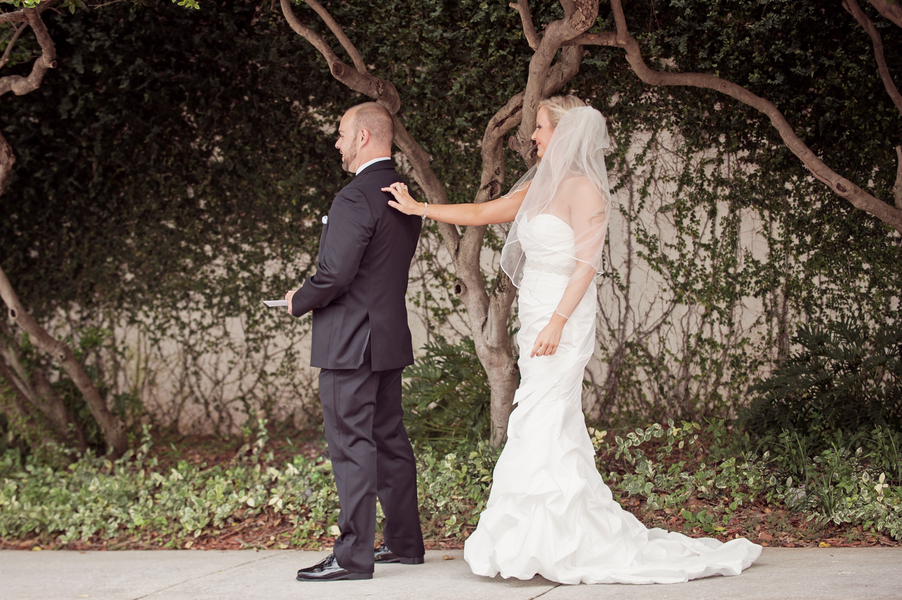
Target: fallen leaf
(447,557)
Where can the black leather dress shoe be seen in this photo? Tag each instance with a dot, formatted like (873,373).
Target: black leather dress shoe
(384,556)
(328,570)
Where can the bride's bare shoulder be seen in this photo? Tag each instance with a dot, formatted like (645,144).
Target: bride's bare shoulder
(580,185)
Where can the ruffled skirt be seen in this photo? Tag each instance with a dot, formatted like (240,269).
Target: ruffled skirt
(549,512)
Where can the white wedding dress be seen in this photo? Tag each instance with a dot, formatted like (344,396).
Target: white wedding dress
(549,512)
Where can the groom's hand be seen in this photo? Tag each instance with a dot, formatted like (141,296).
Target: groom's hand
(288,297)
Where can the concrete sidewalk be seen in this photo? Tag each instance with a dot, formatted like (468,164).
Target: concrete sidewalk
(780,573)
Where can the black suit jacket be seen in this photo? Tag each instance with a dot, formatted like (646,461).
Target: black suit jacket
(358,291)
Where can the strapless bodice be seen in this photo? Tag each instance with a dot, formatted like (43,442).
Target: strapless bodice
(548,244)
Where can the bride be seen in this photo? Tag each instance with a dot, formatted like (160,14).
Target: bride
(549,512)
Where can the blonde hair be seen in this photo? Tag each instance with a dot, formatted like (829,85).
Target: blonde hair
(557,107)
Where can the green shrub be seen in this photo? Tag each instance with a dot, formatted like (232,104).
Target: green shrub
(446,396)
(844,380)
(669,465)
(95,497)
(453,488)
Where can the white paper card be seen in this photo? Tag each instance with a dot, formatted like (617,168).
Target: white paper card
(275,302)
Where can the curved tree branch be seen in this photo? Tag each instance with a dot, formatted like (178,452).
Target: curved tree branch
(890,9)
(5,58)
(113,428)
(386,94)
(381,91)
(339,33)
(47,60)
(492,180)
(897,188)
(529,30)
(840,185)
(579,15)
(7,160)
(40,395)
(607,38)
(426,179)
(891,89)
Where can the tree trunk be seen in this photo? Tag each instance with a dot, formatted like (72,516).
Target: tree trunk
(37,392)
(113,428)
(52,405)
(504,379)
(7,160)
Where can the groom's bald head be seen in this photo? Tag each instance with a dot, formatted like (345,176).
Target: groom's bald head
(365,133)
(375,119)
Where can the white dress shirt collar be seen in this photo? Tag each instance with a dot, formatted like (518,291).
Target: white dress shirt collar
(366,164)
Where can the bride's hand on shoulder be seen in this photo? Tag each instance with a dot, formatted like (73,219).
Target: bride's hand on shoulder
(549,338)
(403,201)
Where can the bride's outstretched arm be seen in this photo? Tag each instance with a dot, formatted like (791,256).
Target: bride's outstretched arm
(500,210)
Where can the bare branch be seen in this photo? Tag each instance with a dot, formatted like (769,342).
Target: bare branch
(486,313)
(891,89)
(581,17)
(381,91)
(386,94)
(425,177)
(563,70)
(20,400)
(19,15)
(16,33)
(41,395)
(897,189)
(22,85)
(340,34)
(840,185)
(12,370)
(13,17)
(607,38)
(529,30)
(112,427)
(890,9)
(623,33)
(7,160)
(308,34)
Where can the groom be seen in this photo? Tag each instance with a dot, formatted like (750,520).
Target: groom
(362,343)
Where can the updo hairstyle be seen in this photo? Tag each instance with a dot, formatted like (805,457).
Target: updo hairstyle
(557,107)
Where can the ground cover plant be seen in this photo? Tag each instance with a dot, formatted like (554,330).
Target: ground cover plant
(267,490)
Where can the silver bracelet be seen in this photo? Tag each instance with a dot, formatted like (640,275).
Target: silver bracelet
(566,318)
(425,210)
